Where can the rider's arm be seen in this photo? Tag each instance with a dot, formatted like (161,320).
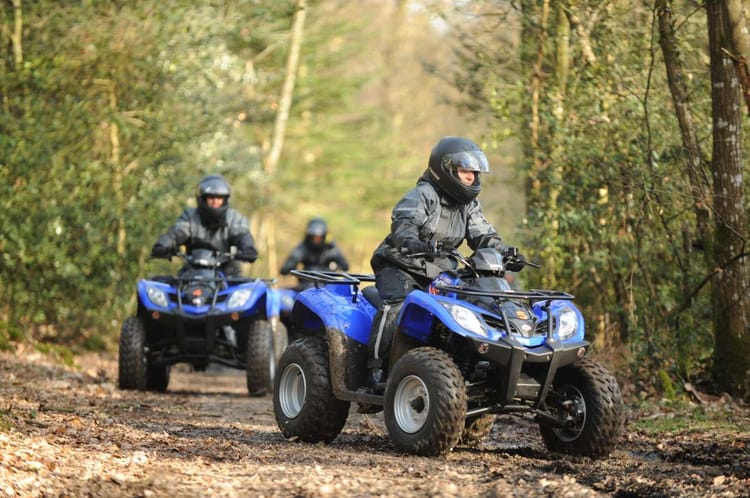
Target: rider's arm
(241,238)
(479,232)
(293,260)
(334,254)
(408,216)
(176,236)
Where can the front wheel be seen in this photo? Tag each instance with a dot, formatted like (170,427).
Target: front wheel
(425,402)
(587,400)
(303,401)
(131,362)
(261,358)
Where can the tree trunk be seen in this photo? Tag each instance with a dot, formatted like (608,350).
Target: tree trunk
(697,163)
(740,45)
(731,300)
(282,116)
(117,171)
(17,35)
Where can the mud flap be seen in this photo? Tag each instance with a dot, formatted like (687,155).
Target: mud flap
(381,336)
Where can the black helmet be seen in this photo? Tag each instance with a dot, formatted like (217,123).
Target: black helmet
(212,186)
(316,232)
(447,156)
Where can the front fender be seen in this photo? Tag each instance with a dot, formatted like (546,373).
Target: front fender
(422,309)
(273,302)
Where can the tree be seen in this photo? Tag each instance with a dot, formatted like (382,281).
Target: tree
(731,300)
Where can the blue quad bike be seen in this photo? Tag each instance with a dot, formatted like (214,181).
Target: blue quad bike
(200,317)
(464,350)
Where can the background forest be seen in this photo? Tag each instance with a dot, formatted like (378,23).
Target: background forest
(613,127)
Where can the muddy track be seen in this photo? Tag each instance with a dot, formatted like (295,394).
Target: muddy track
(70,432)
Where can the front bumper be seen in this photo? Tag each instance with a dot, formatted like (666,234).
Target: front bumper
(513,361)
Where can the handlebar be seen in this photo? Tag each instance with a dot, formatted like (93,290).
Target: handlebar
(439,250)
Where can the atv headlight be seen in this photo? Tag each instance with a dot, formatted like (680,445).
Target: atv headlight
(568,323)
(467,319)
(157,296)
(238,298)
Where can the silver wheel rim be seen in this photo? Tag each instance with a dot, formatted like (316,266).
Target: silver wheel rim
(411,404)
(573,411)
(292,390)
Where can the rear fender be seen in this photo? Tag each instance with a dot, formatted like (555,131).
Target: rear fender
(333,307)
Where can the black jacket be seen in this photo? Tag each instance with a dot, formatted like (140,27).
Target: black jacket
(428,214)
(191,231)
(326,257)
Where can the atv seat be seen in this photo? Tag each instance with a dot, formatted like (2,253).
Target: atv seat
(371,294)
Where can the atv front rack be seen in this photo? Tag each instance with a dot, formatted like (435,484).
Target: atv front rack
(533,295)
(172,279)
(333,277)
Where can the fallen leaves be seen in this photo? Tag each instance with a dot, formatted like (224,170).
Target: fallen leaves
(66,432)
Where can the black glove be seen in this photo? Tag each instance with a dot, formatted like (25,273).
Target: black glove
(412,246)
(249,255)
(160,251)
(513,260)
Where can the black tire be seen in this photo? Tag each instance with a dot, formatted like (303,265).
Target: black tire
(588,397)
(303,402)
(425,402)
(261,359)
(132,358)
(157,378)
(477,428)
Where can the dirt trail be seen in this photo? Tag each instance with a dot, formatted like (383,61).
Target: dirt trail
(66,432)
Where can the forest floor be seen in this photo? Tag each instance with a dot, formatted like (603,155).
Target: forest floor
(70,432)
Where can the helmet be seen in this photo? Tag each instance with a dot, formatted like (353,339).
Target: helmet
(316,232)
(212,186)
(446,157)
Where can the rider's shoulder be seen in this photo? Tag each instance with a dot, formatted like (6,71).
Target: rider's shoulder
(425,190)
(235,216)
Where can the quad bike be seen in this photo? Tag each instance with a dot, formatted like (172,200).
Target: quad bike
(467,348)
(199,317)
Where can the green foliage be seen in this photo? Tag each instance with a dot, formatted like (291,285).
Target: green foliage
(609,206)
(113,110)
(682,416)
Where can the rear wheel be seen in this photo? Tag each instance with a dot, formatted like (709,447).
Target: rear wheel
(587,399)
(131,357)
(303,401)
(261,359)
(425,402)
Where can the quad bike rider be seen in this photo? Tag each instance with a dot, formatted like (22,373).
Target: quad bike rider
(442,209)
(461,345)
(208,313)
(315,252)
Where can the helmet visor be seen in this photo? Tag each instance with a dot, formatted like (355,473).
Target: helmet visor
(472,160)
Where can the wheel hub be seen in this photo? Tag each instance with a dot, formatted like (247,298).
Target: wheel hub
(292,390)
(572,413)
(411,404)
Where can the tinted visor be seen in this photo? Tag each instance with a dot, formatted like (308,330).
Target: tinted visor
(214,188)
(472,160)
